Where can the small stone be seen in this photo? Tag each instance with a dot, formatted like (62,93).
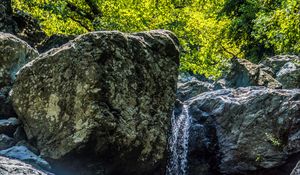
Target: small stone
(20,134)
(9,126)
(24,154)
(28,146)
(6,142)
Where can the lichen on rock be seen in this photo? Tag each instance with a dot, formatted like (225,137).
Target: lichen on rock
(109,89)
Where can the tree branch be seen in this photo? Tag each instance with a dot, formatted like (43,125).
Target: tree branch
(80,23)
(235,56)
(94,7)
(80,12)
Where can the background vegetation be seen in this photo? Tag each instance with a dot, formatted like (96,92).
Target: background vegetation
(210,31)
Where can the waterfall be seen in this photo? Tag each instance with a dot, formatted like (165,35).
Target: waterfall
(178,143)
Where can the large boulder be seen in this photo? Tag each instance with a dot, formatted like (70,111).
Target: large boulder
(108,93)
(243,130)
(244,73)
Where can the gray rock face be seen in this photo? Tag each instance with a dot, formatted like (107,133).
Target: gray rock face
(244,73)
(14,54)
(192,88)
(108,91)
(278,61)
(285,69)
(10,166)
(54,41)
(247,129)
(190,85)
(289,75)
(296,170)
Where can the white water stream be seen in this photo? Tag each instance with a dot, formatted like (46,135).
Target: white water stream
(178,143)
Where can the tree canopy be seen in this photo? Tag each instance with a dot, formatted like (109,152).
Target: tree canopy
(210,31)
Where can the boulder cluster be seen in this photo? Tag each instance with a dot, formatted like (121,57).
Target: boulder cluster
(97,103)
(247,122)
(104,98)
(101,104)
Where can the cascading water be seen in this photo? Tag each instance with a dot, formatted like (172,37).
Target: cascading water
(179,143)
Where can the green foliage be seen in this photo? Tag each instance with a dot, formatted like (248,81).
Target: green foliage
(258,158)
(274,141)
(280,28)
(210,31)
(264,27)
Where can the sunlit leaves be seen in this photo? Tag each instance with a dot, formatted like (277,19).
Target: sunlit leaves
(193,21)
(281,28)
(264,27)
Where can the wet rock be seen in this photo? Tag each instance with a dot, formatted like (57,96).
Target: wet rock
(6,142)
(9,126)
(190,85)
(255,128)
(28,146)
(244,73)
(10,166)
(25,155)
(108,93)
